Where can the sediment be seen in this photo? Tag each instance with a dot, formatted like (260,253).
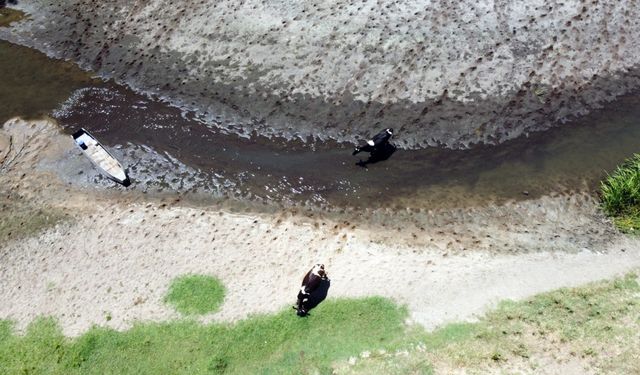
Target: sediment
(113,253)
(451,73)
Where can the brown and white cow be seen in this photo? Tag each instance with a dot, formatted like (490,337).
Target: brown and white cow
(310,294)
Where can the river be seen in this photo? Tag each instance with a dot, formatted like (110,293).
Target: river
(167,149)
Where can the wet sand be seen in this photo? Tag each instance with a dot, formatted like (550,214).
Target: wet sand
(168,150)
(447,74)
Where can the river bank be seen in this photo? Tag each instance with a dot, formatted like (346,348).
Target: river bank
(169,150)
(115,252)
(446,232)
(452,74)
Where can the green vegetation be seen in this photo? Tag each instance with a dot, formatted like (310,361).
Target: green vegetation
(8,16)
(621,195)
(595,326)
(274,344)
(196,294)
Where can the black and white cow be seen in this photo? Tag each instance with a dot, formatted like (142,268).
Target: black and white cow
(315,286)
(378,141)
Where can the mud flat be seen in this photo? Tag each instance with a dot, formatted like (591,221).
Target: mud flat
(111,260)
(441,73)
(163,144)
(169,150)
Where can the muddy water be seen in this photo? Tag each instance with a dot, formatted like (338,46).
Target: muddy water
(453,73)
(191,157)
(31,84)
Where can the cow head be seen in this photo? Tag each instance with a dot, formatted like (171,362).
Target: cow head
(301,311)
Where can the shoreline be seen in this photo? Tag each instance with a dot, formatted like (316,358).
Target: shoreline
(170,151)
(502,88)
(120,251)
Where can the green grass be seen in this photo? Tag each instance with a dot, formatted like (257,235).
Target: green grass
(8,16)
(269,344)
(620,194)
(196,294)
(596,325)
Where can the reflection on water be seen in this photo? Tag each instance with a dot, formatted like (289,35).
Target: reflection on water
(32,84)
(572,157)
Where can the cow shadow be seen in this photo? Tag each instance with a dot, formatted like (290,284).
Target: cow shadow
(318,295)
(379,154)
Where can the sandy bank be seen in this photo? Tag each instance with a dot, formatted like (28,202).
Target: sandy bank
(117,254)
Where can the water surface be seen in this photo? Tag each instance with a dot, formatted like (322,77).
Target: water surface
(32,85)
(201,159)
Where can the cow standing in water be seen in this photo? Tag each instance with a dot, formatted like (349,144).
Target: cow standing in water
(378,147)
(315,286)
(375,144)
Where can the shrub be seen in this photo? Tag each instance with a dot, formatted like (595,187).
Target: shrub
(621,194)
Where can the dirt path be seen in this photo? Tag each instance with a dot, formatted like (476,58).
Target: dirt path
(112,263)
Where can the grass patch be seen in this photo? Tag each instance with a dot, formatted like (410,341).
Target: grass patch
(596,325)
(620,193)
(196,294)
(275,344)
(9,16)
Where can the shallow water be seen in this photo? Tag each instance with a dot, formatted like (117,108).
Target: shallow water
(486,75)
(32,84)
(573,157)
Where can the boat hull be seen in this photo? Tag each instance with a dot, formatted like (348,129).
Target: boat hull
(101,157)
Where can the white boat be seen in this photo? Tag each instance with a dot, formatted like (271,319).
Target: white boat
(100,157)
